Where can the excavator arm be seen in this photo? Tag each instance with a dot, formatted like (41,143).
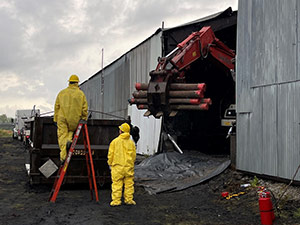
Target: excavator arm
(168,92)
(198,45)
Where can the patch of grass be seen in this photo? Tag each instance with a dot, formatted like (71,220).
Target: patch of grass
(18,206)
(297,213)
(7,145)
(6,133)
(282,206)
(254,182)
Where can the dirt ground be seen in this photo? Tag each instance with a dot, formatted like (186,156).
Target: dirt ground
(202,204)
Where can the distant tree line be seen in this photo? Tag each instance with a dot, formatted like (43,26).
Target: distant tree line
(5,119)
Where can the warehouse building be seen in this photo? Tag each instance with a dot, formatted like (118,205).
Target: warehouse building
(109,89)
(266,38)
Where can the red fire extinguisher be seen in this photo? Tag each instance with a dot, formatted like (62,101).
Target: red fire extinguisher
(266,208)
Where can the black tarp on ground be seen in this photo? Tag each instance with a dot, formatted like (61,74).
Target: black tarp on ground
(172,171)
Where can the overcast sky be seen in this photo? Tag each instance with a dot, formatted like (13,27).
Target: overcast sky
(43,42)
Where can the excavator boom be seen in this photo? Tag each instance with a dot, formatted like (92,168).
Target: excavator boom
(168,91)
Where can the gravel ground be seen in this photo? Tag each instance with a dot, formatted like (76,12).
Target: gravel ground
(202,204)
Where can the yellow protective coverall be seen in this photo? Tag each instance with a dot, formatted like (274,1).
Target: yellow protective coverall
(70,107)
(121,158)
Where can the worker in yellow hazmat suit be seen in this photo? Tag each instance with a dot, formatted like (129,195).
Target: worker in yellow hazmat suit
(121,158)
(70,107)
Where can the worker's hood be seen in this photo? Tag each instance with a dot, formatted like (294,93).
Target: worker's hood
(124,135)
(74,85)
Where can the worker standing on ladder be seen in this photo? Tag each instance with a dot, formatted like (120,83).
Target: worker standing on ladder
(70,107)
(121,158)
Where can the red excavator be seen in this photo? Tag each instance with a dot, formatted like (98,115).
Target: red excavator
(170,89)
(193,89)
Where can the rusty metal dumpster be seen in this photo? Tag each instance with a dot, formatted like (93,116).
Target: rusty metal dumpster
(44,146)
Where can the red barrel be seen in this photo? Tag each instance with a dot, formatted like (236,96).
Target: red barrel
(266,209)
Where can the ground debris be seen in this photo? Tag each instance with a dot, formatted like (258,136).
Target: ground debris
(22,204)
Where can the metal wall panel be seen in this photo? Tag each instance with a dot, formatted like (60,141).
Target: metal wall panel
(268,38)
(258,41)
(92,91)
(287,40)
(116,91)
(298,41)
(142,60)
(244,62)
(243,141)
(254,156)
(269,157)
(119,79)
(268,113)
(286,130)
(296,152)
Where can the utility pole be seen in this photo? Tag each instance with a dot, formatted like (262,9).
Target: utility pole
(102,75)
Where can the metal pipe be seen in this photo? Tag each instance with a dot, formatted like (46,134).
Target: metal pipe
(193,101)
(183,86)
(138,101)
(142,106)
(175,86)
(176,94)
(141,86)
(189,101)
(174,101)
(174,143)
(174,50)
(200,107)
(140,94)
(187,94)
(158,73)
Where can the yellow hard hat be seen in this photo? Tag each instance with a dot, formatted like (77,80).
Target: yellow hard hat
(74,78)
(125,128)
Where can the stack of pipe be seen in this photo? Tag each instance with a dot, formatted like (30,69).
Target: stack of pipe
(181,96)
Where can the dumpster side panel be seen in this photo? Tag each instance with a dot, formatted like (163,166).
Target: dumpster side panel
(45,146)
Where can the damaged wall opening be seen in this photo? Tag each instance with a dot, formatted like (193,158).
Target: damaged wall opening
(202,130)
(198,133)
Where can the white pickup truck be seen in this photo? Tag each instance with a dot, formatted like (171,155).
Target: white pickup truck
(20,132)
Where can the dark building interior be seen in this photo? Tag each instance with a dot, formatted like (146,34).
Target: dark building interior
(202,130)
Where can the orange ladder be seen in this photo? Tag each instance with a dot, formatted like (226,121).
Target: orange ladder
(89,163)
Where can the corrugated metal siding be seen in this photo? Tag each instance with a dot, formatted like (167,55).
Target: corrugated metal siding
(286,128)
(116,91)
(269,118)
(268,113)
(142,60)
(92,90)
(119,80)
